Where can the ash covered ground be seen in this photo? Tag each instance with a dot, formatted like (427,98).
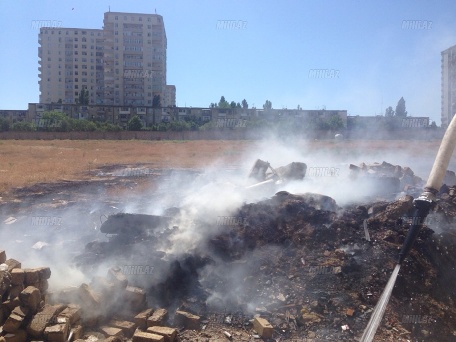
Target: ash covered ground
(311,257)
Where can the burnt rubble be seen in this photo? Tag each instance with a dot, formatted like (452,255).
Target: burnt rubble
(292,267)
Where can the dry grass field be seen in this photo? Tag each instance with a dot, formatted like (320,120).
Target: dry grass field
(26,162)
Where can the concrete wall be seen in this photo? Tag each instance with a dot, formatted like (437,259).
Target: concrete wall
(239,134)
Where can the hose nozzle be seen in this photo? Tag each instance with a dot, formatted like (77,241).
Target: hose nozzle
(423,205)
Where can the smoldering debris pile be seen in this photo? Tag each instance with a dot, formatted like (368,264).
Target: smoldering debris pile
(388,177)
(292,267)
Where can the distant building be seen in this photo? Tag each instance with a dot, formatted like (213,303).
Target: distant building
(169,99)
(123,64)
(150,116)
(448,85)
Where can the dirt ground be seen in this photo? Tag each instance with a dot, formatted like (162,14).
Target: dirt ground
(55,176)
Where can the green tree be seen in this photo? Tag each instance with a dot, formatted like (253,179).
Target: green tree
(238,105)
(335,122)
(245,105)
(83,98)
(389,112)
(54,121)
(267,105)
(400,108)
(4,125)
(23,126)
(223,103)
(233,104)
(134,124)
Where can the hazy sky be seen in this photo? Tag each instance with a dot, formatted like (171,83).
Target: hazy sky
(376,58)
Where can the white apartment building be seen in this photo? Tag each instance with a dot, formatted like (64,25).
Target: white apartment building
(448,85)
(123,64)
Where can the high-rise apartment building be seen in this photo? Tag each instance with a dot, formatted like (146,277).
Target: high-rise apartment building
(448,85)
(122,64)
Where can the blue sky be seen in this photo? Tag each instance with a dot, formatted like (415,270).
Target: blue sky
(270,56)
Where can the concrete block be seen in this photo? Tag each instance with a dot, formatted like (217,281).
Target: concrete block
(15,290)
(141,318)
(31,276)
(2,256)
(12,264)
(71,313)
(111,331)
(18,336)
(77,332)
(13,323)
(17,276)
(31,298)
(44,273)
(5,282)
(169,334)
(128,328)
(187,320)
(43,318)
(159,317)
(263,327)
(117,277)
(135,298)
(140,336)
(57,332)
